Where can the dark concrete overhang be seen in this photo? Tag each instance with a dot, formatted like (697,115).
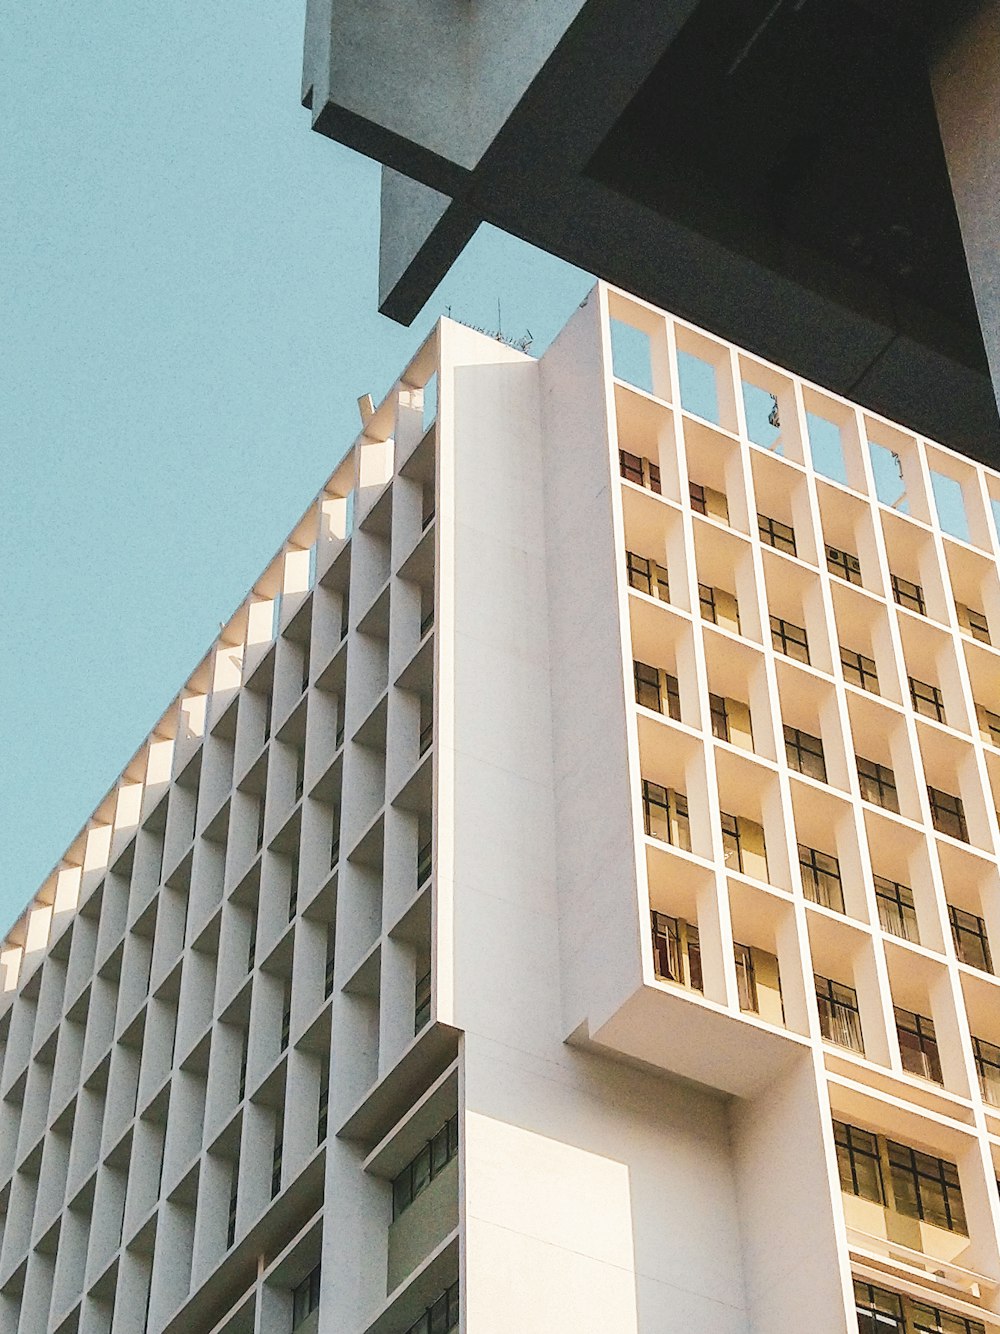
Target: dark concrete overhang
(770,169)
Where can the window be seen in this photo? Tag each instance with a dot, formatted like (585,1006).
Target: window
(926,699)
(839,1015)
(673,697)
(821,881)
(328,972)
(424,862)
(719,607)
(639,573)
(972,944)
(630,466)
(252,946)
(647,686)
(859,670)
(776,534)
(918,1046)
(653,688)
(665,815)
(883,1312)
(989,724)
(656,811)
(927,1188)
(908,595)
(305,1298)
(947,814)
(244,1060)
(929,1320)
(646,576)
(293,889)
(804,753)
(878,784)
(844,565)
(878,1311)
(234,1199)
(858,1161)
(697,494)
(441,1316)
(973,622)
(260,824)
(676,951)
(746,981)
(988,1069)
(286,1018)
(731,846)
(422,1169)
(720,716)
(639,470)
(323,1105)
(422,1001)
(277,1156)
(789,639)
(895,909)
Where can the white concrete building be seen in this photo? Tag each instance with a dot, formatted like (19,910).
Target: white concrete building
(563,899)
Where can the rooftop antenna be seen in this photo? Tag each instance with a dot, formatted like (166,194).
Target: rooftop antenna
(499,321)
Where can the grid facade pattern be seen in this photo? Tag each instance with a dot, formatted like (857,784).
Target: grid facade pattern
(238,947)
(345,893)
(887,543)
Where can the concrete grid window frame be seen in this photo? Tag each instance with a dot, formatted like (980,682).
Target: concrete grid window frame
(293,942)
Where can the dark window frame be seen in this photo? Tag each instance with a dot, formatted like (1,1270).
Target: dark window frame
(987,1059)
(926,699)
(855,1146)
(880,779)
(774,533)
(647,685)
(782,639)
(746,979)
(979,626)
(844,565)
(852,662)
(965,924)
(925,1175)
(305,1296)
(804,753)
(839,1013)
(919,1028)
(719,716)
(425,1166)
(908,595)
(818,877)
(897,898)
(948,814)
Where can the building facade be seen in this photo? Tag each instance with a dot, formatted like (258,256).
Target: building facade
(564,898)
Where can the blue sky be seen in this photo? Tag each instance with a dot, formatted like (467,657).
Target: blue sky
(189,315)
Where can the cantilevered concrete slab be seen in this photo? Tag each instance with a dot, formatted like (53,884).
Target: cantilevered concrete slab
(817,180)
